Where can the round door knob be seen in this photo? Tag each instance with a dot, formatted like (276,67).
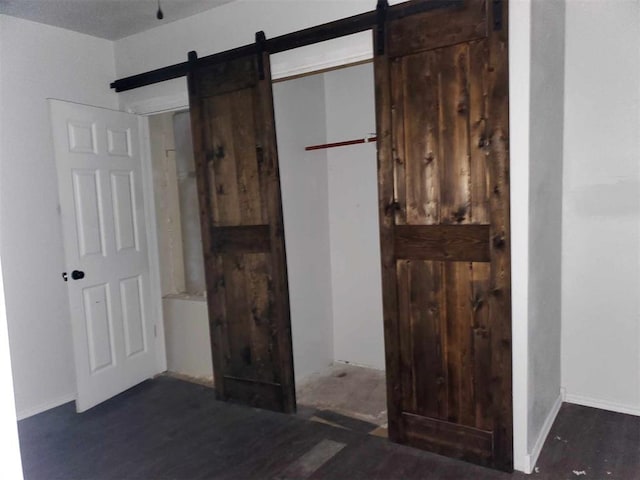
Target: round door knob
(77,274)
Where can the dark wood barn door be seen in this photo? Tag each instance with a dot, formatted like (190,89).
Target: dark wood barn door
(442,113)
(242,229)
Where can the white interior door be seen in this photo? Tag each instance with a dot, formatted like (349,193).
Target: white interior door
(99,161)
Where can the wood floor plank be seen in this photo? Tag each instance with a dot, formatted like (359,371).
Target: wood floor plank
(170,429)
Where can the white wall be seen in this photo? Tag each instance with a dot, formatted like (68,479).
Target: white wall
(230,26)
(300,121)
(38,62)
(353,218)
(545,218)
(601,230)
(9,441)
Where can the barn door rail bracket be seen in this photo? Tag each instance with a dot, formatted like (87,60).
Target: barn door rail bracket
(261,40)
(289,41)
(496,12)
(381,19)
(192,62)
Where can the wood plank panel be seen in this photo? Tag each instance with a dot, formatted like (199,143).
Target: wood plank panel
(418,128)
(481,344)
(401,206)
(270,187)
(239,358)
(443,242)
(386,200)
(459,316)
(428,313)
(406,380)
(250,353)
(455,199)
(479,211)
(500,276)
(221,159)
(259,312)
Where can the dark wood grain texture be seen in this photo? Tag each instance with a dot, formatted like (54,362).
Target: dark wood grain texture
(268,159)
(243,239)
(386,208)
(499,298)
(440,28)
(443,170)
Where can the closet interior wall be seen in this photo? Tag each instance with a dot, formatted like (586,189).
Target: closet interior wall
(329,201)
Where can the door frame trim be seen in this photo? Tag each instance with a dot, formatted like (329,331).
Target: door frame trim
(153,250)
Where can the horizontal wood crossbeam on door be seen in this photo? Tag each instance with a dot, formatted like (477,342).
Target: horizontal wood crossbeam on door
(458,243)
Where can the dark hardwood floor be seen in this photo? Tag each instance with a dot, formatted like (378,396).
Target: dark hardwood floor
(170,429)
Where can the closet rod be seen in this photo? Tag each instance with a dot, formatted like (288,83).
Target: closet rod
(289,41)
(342,144)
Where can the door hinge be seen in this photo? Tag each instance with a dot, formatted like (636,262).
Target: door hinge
(496,6)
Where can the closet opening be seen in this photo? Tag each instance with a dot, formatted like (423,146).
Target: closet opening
(330,209)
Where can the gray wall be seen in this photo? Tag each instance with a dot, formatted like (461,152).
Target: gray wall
(353,217)
(40,62)
(545,213)
(301,121)
(601,224)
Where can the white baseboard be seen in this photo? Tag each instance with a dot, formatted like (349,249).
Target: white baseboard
(532,458)
(43,407)
(602,404)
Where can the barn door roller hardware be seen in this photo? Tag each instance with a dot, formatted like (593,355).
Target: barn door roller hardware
(496,13)
(381,19)
(301,38)
(192,62)
(261,39)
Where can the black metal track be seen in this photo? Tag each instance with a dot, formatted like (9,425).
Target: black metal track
(289,41)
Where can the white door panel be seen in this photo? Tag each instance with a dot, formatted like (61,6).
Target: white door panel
(98,156)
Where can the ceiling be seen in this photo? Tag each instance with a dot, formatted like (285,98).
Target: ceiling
(110,19)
